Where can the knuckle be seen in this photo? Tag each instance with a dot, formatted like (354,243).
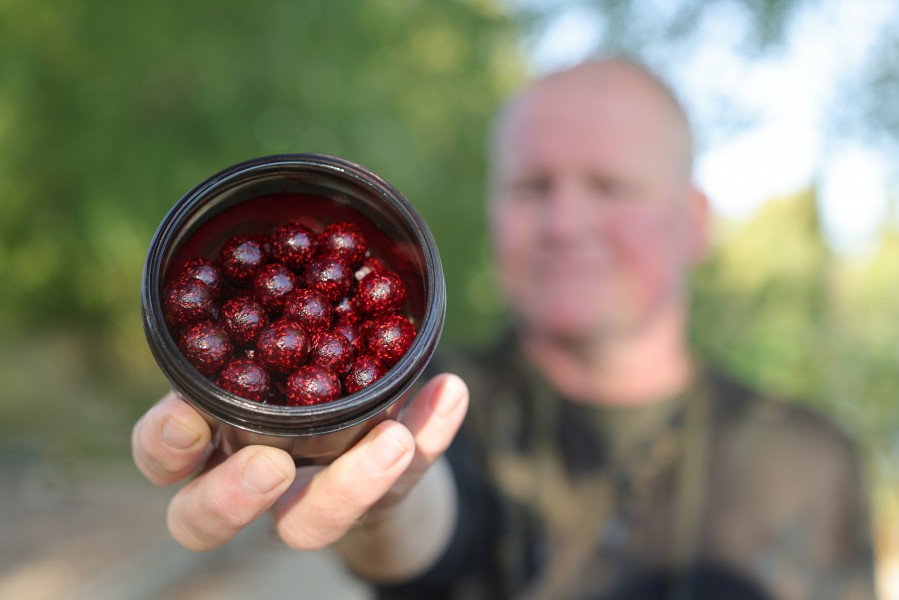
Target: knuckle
(189,537)
(155,472)
(430,448)
(322,522)
(220,508)
(351,493)
(149,456)
(187,531)
(148,464)
(298,535)
(156,469)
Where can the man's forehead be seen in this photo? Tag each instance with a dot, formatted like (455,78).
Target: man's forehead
(558,103)
(614,99)
(598,91)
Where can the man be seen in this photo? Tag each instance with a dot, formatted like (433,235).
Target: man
(598,459)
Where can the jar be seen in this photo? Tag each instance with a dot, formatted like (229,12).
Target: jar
(254,197)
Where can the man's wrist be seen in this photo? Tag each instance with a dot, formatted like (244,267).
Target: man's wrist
(403,541)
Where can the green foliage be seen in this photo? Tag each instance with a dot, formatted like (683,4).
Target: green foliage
(792,317)
(109,112)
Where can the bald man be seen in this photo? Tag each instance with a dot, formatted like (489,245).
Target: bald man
(598,459)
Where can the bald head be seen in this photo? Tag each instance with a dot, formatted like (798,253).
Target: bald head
(621,92)
(594,216)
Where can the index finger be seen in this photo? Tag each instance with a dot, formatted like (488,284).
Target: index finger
(318,511)
(171,441)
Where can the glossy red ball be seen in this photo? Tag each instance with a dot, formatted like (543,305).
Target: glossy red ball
(294,244)
(186,301)
(241,258)
(345,240)
(333,350)
(244,319)
(381,292)
(389,337)
(308,308)
(283,347)
(312,384)
(203,269)
(329,276)
(346,310)
(246,378)
(272,284)
(348,330)
(206,346)
(365,371)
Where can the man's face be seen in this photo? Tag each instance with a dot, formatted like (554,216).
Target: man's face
(593,216)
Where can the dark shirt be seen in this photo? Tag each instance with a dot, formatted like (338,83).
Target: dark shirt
(720,492)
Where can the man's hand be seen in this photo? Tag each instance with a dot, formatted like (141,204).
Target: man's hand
(312,506)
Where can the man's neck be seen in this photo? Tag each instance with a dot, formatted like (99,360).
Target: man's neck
(624,370)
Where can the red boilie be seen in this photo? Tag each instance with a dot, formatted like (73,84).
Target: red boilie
(290,316)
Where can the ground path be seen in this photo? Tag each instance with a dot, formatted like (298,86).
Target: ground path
(101,536)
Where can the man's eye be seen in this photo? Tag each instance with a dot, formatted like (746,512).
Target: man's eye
(611,189)
(531,189)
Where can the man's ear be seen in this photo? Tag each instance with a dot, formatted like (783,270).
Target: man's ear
(699,225)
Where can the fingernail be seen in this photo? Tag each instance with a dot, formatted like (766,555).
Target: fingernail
(261,475)
(385,450)
(177,435)
(450,396)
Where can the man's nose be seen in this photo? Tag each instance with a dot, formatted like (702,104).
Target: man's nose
(565,211)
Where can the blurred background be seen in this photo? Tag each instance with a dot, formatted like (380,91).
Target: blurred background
(109,112)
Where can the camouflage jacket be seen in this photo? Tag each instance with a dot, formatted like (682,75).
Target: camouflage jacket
(723,493)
